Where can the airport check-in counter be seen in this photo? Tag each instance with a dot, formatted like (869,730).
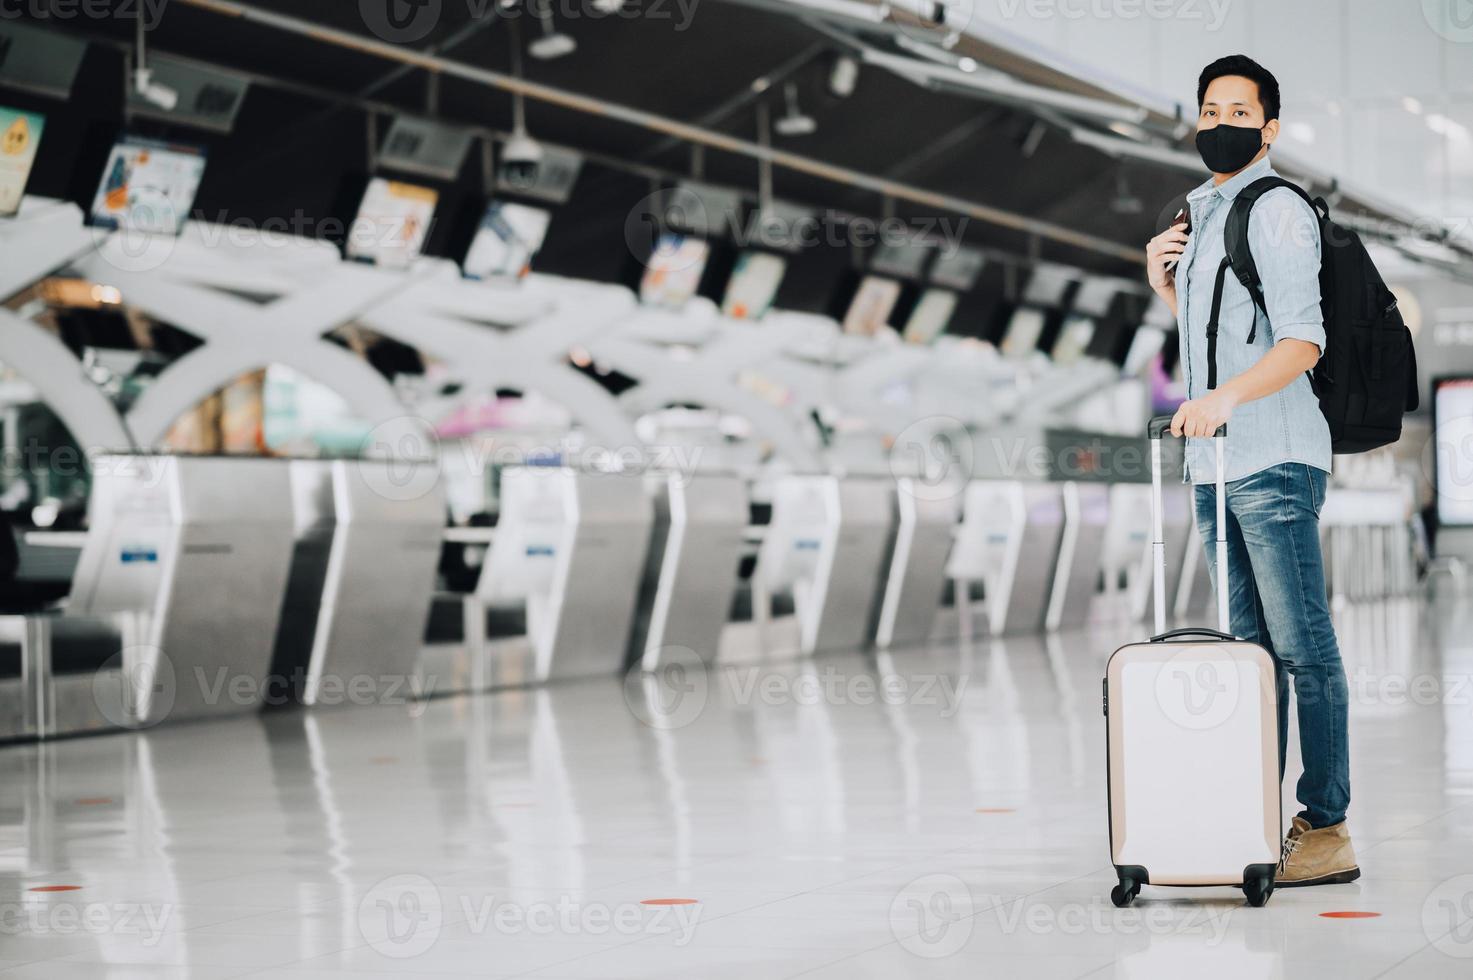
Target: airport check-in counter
(60,675)
(556,596)
(378,582)
(1194,589)
(314,519)
(1366,537)
(1179,522)
(826,546)
(199,549)
(1009,540)
(691,569)
(1077,569)
(915,576)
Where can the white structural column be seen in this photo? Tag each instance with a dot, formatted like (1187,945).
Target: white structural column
(44,237)
(513,336)
(695,357)
(267,300)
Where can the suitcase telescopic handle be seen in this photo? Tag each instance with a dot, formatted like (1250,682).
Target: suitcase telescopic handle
(1160,426)
(1156,429)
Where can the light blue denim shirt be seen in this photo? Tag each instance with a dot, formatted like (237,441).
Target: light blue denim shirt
(1284,234)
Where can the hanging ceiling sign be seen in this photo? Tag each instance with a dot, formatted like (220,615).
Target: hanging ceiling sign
(783,226)
(705,209)
(425,146)
(207,98)
(38,60)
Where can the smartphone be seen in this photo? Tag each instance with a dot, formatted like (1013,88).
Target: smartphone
(1184,215)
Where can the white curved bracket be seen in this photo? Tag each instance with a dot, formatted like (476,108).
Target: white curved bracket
(242,336)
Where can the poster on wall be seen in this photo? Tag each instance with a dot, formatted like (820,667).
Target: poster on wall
(20,134)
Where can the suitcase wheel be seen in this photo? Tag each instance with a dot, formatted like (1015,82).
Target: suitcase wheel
(1257,891)
(1125,892)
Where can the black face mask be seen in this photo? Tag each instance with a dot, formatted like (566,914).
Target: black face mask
(1227,149)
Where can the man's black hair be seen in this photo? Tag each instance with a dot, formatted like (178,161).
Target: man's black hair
(1241,64)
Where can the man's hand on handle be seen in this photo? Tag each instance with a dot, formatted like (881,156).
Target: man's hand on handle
(1201,417)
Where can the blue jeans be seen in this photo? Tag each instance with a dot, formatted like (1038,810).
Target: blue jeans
(1276,599)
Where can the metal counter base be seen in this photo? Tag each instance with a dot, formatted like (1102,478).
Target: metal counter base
(58,687)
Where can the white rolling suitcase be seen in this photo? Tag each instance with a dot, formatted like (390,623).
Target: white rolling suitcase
(1191,724)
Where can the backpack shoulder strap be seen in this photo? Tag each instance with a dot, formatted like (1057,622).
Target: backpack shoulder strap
(1235,233)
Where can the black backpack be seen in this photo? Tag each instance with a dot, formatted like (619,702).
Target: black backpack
(1367,378)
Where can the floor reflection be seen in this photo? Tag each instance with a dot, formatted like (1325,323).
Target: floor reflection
(808,808)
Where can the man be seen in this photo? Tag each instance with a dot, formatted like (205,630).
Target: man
(1278,446)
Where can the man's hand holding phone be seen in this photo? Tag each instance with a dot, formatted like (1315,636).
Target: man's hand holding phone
(1162,255)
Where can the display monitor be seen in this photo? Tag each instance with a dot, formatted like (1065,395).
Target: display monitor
(509,237)
(148,186)
(1023,332)
(673,270)
(1073,339)
(20,134)
(392,223)
(1452,408)
(930,317)
(753,285)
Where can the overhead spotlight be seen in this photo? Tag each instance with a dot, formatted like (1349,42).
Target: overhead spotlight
(553,43)
(507,6)
(844,76)
(608,6)
(794,122)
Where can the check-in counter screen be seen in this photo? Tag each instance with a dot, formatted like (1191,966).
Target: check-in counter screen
(507,240)
(393,222)
(1453,408)
(753,285)
(1023,333)
(873,303)
(20,134)
(673,271)
(931,316)
(148,186)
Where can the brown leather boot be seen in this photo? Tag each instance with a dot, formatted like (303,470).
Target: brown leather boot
(1316,857)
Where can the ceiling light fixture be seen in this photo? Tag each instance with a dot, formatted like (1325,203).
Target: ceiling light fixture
(794,122)
(844,76)
(553,43)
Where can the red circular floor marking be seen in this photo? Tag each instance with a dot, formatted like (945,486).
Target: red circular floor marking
(1350,915)
(669,901)
(94,800)
(57,888)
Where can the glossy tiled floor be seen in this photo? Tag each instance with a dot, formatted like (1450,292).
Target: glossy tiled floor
(773,822)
